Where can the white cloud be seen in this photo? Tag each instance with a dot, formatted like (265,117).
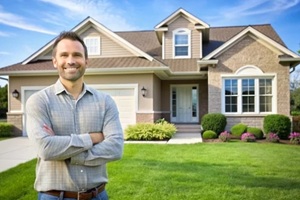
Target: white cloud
(16,21)
(258,10)
(103,11)
(258,7)
(4,53)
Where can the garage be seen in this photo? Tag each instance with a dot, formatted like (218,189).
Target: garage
(126,103)
(123,95)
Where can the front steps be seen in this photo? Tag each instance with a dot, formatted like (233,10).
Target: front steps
(188,128)
(187,134)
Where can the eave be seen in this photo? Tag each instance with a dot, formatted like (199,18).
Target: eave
(86,23)
(207,63)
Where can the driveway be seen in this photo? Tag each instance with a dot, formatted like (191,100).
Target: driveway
(15,151)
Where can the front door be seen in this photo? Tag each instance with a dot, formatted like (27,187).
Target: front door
(184,103)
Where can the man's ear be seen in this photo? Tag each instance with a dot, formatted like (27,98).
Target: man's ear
(86,62)
(54,61)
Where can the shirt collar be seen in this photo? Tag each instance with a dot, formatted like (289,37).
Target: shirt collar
(59,88)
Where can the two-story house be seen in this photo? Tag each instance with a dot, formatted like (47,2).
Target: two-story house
(179,71)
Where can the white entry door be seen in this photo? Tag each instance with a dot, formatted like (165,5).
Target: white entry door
(184,104)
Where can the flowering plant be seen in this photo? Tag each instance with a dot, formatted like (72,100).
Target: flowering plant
(272,137)
(224,136)
(248,137)
(295,138)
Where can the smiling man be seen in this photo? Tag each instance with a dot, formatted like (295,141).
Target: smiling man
(75,128)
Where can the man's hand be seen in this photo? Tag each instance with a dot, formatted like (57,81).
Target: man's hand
(96,137)
(48,129)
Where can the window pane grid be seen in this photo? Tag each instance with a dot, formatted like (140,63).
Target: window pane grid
(248,95)
(231,95)
(265,95)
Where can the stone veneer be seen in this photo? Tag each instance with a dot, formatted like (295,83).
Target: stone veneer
(147,117)
(16,120)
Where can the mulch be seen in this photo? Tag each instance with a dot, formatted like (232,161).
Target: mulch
(258,141)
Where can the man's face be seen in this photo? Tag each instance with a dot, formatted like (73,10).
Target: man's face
(70,60)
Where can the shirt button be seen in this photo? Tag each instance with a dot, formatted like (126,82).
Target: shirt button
(81,171)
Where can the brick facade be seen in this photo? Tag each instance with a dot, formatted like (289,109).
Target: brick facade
(248,52)
(16,119)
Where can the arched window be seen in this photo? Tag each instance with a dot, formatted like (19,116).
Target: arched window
(181,42)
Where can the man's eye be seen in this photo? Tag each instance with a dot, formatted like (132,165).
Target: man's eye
(78,55)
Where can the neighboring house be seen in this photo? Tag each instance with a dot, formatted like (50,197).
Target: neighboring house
(186,67)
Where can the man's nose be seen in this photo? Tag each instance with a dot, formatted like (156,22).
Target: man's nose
(71,60)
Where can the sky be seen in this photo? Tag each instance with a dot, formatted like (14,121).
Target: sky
(27,25)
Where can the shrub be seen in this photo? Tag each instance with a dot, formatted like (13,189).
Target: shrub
(148,131)
(5,129)
(209,134)
(248,137)
(272,137)
(257,132)
(225,136)
(238,129)
(161,121)
(214,121)
(279,124)
(295,138)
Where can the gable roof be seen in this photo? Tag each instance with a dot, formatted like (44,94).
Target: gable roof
(187,15)
(147,49)
(199,24)
(250,31)
(84,25)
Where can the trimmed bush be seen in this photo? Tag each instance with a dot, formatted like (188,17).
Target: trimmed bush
(279,124)
(5,129)
(238,129)
(209,134)
(257,132)
(214,121)
(149,131)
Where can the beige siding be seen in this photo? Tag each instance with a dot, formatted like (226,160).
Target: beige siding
(156,93)
(109,48)
(248,52)
(19,82)
(181,22)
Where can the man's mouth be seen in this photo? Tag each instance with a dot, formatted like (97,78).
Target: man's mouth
(71,69)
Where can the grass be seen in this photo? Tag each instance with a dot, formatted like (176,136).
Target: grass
(233,170)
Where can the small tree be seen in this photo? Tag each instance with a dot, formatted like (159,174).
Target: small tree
(3,101)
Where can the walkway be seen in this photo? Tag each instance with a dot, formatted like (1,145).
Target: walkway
(19,150)
(15,151)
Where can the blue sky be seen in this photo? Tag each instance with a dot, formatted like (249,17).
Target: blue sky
(27,25)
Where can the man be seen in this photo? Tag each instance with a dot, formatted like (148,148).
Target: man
(76,129)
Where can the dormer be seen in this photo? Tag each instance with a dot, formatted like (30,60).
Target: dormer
(182,35)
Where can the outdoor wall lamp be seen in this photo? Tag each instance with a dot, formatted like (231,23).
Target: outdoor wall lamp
(15,94)
(144,90)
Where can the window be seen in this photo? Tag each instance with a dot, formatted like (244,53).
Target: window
(248,95)
(231,95)
(181,43)
(93,45)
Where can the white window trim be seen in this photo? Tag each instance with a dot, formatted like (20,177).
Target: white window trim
(251,72)
(98,51)
(186,32)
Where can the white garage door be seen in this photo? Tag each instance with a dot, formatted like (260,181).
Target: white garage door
(125,100)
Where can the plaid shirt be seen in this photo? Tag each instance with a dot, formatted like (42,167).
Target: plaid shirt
(68,160)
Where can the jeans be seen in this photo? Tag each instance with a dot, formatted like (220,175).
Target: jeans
(44,196)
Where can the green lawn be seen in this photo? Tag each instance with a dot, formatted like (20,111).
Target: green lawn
(221,171)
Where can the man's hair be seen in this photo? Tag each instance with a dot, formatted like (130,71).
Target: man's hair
(71,36)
